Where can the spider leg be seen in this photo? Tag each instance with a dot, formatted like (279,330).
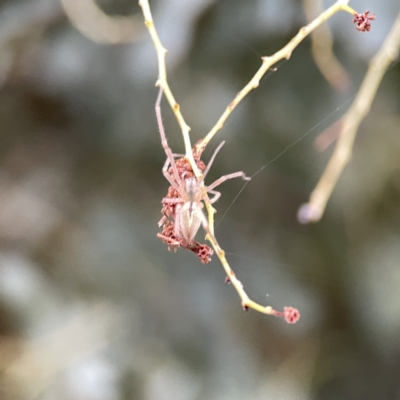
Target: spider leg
(225,178)
(164,142)
(216,194)
(168,176)
(167,200)
(212,158)
(166,165)
(177,226)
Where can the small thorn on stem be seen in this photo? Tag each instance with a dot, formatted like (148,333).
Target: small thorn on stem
(245,307)
(227,280)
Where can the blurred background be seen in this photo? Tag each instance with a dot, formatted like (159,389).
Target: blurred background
(92,304)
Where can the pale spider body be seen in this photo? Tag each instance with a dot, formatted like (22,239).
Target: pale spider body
(186,204)
(188,214)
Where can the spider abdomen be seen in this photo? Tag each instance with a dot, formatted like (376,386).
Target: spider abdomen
(188,220)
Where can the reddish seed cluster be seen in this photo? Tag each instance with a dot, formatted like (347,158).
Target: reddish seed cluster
(167,234)
(290,314)
(362,21)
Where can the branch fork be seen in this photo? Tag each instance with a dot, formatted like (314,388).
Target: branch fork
(291,315)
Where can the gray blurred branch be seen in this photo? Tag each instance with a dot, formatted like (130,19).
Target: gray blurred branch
(94,23)
(389,52)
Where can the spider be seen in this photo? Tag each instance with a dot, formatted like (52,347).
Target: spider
(185,198)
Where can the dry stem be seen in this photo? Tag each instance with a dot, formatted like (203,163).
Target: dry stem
(268,62)
(163,83)
(246,301)
(314,209)
(291,315)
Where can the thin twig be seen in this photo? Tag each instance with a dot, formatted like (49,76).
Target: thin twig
(291,315)
(268,62)
(231,278)
(163,83)
(389,52)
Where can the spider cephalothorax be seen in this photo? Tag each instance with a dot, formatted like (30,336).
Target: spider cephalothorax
(183,206)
